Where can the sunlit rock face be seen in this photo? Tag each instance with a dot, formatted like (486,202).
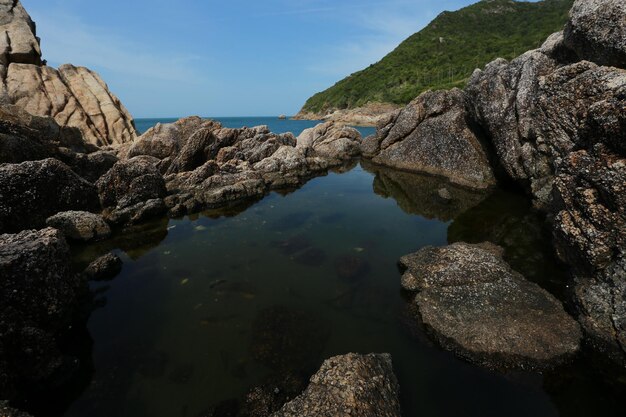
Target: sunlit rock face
(73,96)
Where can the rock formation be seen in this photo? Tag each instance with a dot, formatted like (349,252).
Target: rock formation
(38,294)
(32,191)
(558,127)
(204,165)
(596,31)
(372,114)
(433,135)
(354,385)
(476,305)
(73,96)
(80,225)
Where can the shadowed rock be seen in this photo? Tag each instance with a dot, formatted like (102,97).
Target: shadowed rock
(35,190)
(38,294)
(477,306)
(104,268)
(354,385)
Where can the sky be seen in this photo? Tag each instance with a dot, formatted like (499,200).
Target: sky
(225,58)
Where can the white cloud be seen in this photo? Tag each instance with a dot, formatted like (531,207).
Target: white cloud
(65,38)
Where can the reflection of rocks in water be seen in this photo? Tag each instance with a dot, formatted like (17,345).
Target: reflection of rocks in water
(351,267)
(507,219)
(286,339)
(586,389)
(427,196)
(292,245)
(229,210)
(311,257)
(291,221)
(136,241)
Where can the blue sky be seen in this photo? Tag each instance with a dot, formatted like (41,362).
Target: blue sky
(225,58)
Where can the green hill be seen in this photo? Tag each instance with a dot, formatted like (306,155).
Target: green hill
(446,52)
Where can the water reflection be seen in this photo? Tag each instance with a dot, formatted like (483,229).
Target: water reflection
(507,219)
(427,196)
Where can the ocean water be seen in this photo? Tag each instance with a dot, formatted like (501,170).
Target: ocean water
(210,305)
(274,123)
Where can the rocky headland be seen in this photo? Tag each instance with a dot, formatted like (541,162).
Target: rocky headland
(552,122)
(371,114)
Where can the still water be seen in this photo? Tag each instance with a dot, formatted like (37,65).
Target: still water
(208,306)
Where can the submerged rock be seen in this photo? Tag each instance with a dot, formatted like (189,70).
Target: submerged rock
(354,385)
(32,191)
(433,135)
(477,306)
(286,339)
(80,225)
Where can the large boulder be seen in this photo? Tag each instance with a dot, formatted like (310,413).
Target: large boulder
(38,294)
(558,126)
(476,305)
(32,191)
(331,141)
(73,96)
(433,135)
(354,385)
(18,42)
(536,112)
(132,190)
(596,31)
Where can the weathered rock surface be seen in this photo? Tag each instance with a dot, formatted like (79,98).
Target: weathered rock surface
(7,411)
(80,225)
(104,268)
(477,306)
(558,125)
(537,113)
(433,135)
(18,42)
(596,31)
(73,96)
(24,137)
(38,294)
(354,385)
(32,191)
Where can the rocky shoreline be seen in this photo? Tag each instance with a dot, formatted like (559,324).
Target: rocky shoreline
(370,115)
(552,122)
